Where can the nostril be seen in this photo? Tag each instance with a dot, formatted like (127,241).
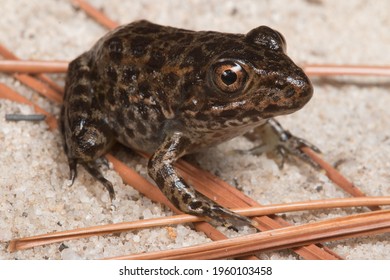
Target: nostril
(299,85)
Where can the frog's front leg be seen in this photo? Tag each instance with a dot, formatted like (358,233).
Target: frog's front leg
(280,141)
(161,168)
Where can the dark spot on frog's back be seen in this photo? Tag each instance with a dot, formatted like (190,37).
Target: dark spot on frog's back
(80,89)
(195,56)
(112,74)
(93,74)
(101,96)
(123,97)
(129,74)
(110,96)
(144,90)
(170,80)
(139,45)
(156,60)
(210,47)
(176,51)
(115,49)
(80,105)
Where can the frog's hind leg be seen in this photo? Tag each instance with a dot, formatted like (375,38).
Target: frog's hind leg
(86,140)
(86,135)
(87,149)
(184,197)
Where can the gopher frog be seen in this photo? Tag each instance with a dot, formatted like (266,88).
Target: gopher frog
(169,92)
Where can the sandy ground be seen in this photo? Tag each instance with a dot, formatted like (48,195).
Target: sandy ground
(347,118)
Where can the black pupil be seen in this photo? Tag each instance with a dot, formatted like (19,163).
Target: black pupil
(229,77)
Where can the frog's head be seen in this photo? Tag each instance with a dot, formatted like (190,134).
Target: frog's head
(257,78)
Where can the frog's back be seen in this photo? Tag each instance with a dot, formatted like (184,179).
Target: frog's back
(148,72)
(156,46)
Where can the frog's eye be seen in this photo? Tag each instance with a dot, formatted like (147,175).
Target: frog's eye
(229,77)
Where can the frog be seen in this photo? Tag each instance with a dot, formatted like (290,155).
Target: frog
(170,92)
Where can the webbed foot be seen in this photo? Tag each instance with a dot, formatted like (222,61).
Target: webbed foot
(282,143)
(218,215)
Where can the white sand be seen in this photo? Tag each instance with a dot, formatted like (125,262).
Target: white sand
(348,119)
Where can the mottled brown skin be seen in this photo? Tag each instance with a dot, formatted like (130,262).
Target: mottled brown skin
(170,92)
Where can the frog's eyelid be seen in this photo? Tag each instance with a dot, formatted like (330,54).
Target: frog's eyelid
(249,65)
(243,63)
(233,61)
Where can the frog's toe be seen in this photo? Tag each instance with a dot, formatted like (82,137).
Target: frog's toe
(73,171)
(219,215)
(293,145)
(93,169)
(229,219)
(103,161)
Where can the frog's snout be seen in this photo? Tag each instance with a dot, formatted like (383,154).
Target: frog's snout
(289,94)
(298,90)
